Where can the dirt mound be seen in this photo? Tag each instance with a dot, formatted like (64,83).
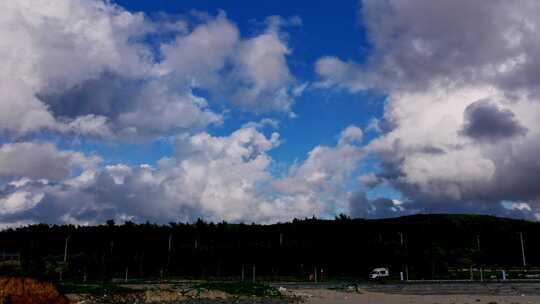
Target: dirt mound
(29,291)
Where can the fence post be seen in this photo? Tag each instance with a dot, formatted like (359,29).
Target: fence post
(481,275)
(407,272)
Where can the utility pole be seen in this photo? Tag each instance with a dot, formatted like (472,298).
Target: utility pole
(522,249)
(402,242)
(65,257)
(66,249)
(406,272)
(169,250)
(478,247)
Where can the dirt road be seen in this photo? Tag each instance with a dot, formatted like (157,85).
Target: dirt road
(321,296)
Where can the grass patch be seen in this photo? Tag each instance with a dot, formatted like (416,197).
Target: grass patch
(242,289)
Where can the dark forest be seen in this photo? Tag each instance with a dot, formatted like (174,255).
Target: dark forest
(426,246)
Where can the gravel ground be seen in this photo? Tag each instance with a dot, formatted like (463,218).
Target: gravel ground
(442,293)
(192,301)
(237,301)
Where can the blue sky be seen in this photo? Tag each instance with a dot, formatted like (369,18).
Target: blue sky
(326,29)
(321,114)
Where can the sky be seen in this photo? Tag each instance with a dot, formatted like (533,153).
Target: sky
(167,111)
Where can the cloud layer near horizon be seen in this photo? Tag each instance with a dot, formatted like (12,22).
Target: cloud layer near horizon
(216,178)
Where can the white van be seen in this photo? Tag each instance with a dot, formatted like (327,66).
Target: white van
(379,273)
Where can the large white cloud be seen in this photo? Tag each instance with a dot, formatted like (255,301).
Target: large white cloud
(19,201)
(461,119)
(323,176)
(93,68)
(201,53)
(50,46)
(433,161)
(217,178)
(251,73)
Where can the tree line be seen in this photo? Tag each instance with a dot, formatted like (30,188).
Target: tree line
(425,246)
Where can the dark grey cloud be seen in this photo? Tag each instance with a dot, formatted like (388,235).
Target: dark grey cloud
(485,121)
(362,207)
(36,160)
(132,108)
(517,172)
(108,95)
(94,201)
(513,179)
(420,43)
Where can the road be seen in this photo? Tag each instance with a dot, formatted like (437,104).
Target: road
(461,288)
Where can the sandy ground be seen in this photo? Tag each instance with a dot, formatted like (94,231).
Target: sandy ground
(321,296)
